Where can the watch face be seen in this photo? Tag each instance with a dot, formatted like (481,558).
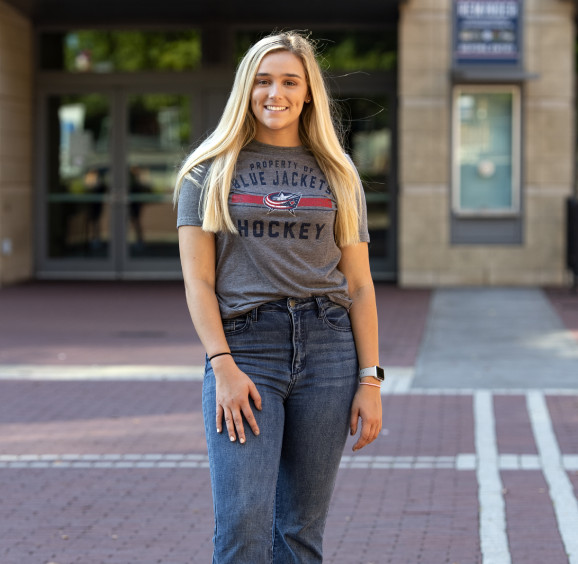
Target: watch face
(379,373)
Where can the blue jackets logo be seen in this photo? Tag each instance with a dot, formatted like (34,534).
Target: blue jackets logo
(282,201)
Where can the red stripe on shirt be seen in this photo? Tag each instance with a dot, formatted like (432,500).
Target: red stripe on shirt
(304,202)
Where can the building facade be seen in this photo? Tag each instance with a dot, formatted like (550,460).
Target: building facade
(460,115)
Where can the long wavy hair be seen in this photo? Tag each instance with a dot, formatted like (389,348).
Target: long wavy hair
(238,127)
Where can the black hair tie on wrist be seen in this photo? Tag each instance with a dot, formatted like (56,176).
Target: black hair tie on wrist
(219,354)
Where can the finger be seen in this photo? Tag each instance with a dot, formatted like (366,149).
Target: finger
(230,424)
(219,418)
(248,413)
(354,419)
(364,437)
(255,395)
(238,420)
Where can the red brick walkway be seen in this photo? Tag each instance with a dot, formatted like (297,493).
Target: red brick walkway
(115,472)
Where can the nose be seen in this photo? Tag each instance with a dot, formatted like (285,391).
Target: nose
(273,90)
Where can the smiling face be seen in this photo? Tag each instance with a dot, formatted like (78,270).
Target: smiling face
(279,91)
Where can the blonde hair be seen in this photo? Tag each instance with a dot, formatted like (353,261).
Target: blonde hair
(238,127)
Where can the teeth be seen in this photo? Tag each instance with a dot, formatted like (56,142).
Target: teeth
(275,108)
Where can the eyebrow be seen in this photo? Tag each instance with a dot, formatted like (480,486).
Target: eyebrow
(286,74)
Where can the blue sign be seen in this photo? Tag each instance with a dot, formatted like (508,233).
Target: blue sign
(487,32)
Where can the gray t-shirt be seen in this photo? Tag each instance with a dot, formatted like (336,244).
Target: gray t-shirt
(284,211)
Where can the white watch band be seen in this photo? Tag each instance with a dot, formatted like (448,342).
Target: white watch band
(371,371)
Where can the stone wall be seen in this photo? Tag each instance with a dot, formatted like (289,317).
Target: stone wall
(427,256)
(16,225)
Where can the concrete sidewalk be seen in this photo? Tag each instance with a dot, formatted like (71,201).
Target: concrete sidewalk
(103,459)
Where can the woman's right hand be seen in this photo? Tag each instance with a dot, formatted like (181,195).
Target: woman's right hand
(234,388)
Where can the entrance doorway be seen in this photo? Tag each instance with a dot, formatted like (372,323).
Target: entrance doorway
(108,154)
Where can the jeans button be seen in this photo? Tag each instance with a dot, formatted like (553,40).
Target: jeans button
(291,302)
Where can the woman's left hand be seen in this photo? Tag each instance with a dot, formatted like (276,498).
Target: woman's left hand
(367,405)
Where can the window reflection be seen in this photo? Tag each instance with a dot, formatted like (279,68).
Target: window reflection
(158,138)
(78,176)
(92,50)
(484,157)
(350,50)
(368,140)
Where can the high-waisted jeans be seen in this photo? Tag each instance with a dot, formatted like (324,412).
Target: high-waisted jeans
(271,495)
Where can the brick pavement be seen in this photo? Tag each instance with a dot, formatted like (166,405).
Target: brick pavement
(96,472)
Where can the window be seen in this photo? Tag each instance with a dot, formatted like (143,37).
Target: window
(126,51)
(486,150)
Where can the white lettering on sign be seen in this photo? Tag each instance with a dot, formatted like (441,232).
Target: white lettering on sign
(497,9)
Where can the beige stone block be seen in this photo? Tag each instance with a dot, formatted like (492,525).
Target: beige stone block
(15,224)
(416,83)
(537,9)
(15,39)
(424,156)
(419,6)
(552,170)
(16,85)
(417,279)
(16,170)
(423,225)
(466,257)
(19,63)
(15,116)
(430,29)
(549,83)
(555,36)
(14,145)
(472,277)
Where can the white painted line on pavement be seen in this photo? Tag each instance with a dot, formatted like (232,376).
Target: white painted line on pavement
(493,538)
(112,372)
(560,487)
(460,462)
(398,379)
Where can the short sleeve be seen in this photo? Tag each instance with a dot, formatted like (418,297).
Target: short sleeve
(189,199)
(363,230)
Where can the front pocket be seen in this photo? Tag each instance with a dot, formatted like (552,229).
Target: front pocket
(336,317)
(236,325)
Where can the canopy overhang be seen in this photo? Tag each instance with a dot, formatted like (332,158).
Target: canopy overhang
(114,13)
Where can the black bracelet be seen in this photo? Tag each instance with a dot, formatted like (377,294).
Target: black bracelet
(218,354)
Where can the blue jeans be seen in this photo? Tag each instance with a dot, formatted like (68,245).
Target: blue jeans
(271,495)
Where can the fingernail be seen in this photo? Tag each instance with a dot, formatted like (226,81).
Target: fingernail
(232,438)
(218,430)
(242,440)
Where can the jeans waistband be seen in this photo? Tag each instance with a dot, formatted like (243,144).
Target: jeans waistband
(292,304)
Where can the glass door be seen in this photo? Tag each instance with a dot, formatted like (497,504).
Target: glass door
(111,160)
(78,183)
(158,134)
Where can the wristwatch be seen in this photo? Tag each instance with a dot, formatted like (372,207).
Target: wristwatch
(376,372)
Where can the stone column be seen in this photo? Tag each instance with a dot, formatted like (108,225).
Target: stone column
(16,225)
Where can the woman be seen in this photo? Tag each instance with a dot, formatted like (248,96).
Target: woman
(273,241)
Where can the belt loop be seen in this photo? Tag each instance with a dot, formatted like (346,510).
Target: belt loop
(255,314)
(320,305)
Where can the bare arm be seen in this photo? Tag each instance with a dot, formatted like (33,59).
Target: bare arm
(234,387)
(363,313)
